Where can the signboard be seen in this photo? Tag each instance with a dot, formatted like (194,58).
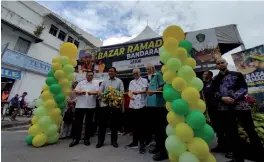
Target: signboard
(251,64)
(205,48)
(10,73)
(20,60)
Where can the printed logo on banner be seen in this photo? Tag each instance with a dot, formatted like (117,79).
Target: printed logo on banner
(200,37)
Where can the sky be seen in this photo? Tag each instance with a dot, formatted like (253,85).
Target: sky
(120,21)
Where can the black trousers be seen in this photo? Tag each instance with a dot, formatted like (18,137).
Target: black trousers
(218,127)
(229,120)
(158,123)
(138,117)
(127,120)
(106,114)
(78,123)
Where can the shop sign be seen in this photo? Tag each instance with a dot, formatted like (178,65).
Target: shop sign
(10,73)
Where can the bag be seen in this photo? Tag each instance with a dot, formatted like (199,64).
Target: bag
(68,116)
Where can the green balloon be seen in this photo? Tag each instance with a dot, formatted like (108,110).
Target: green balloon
(174,145)
(70,77)
(29,139)
(195,119)
(39,102)
(68,69)
(186,72)
(59,98)
(64,60)
(164,55)
(174,64)
(40,111)
(51,73)
(51,129)
(55,88)
(196,83)
(186,45)
(180,107)
(53,138)
(188,157)
(50,81)
(44,122)
(169,94)
(166,86)
(189,56)
(62,105)
(206,133)
(170,130)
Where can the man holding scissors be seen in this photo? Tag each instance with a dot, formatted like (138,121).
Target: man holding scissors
(86,92)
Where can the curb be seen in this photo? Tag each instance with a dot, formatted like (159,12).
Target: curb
(10,125)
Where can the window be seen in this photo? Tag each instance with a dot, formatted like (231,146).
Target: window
(76,43)
(70,39)
(53,30)
(62,35)
(22,45)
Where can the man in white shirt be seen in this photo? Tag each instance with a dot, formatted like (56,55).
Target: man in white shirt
(86,92)
(137,94)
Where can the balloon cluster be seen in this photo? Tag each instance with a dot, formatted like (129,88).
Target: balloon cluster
(188,134)
(48,115)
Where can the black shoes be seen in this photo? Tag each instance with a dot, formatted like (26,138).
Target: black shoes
(115,145)
(74,143)
(160,157)
(99,145)
(229,155)
(153,151)
(142,149)
(86,142)
(132,145)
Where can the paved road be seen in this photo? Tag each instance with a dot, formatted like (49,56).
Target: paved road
(14,149)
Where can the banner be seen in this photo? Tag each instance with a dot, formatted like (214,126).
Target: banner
(251,64)
(205,49)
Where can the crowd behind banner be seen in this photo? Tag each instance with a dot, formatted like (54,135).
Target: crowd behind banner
(250,63)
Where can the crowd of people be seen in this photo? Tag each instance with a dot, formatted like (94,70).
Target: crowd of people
(225,97)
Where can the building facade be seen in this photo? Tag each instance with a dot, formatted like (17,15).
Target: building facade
(31,36)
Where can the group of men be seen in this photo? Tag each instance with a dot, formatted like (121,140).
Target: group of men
(146,102)
(225,97)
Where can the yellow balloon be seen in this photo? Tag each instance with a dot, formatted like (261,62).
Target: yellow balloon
(164,68)
(174,119)
(199,105)
(190,62)
(46,95)
(168,106)
(73,62)
(50,104)
(181,54)
(171,44)
(64,82)
(39,140)
(54,113)
(67,92)
(56,66)
(56,59)
(58,120)
(173,31)
(199,148)
(191,95)
(34,130)
(210,158)
(45,87)
(59,74)
(168,76)
(184,132)
(173,158)
(179,84)
(34,120)
(68,49)
(70,77)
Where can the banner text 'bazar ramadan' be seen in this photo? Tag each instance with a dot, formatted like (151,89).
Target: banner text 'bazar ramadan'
(251,64)
(131,55)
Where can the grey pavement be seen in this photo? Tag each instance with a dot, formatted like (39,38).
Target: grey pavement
(15,149)
(7,123)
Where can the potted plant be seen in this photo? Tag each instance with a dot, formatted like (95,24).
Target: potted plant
(39,30)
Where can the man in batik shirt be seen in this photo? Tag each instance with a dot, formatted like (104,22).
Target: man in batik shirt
(229,89)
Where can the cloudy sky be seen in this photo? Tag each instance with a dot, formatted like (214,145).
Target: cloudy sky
(117,22)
